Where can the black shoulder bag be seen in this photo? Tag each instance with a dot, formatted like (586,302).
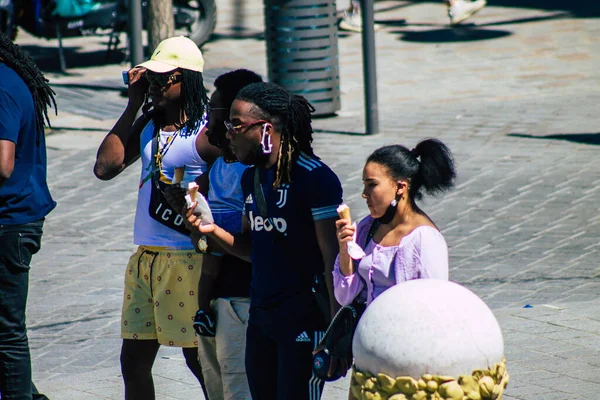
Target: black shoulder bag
(337,340)
(159,209)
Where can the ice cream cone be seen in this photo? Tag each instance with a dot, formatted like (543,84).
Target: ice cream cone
(193,190)
(178,176)
(344,212)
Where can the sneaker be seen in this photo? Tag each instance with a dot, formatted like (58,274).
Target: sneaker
(461,10)
(353,22)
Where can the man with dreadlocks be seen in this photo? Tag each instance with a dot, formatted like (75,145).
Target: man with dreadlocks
(24,203)
(289,234)
(161,279)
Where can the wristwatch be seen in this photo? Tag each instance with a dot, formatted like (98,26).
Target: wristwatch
(203,244)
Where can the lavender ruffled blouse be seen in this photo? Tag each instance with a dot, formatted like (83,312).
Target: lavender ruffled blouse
(421,254)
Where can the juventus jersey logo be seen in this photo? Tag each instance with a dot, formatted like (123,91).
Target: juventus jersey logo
(283,191)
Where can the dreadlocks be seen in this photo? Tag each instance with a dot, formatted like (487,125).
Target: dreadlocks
(43,95)
(195,99)
(290,114)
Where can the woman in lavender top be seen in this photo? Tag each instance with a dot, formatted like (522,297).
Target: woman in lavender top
(400,241)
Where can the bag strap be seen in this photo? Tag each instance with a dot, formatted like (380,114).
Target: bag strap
(155,153)
(155,166)
(261,202)
(372,230)
(259,194)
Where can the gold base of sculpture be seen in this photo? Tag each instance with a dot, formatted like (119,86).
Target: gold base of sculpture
(480,385)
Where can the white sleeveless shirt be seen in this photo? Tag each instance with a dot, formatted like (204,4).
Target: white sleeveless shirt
(181,151)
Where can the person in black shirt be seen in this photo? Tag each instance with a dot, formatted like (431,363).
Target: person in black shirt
(289,234)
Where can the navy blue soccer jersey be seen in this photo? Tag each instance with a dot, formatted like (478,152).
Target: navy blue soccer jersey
(285,251)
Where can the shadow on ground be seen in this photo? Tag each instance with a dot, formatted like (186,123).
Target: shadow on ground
(46,57)
(463,33)
(583,138)
(579,8)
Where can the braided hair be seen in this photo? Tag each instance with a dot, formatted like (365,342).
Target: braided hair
(290,114)
(43,96)
(195,102)
(195,98)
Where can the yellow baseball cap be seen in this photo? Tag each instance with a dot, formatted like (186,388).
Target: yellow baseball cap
(175,52)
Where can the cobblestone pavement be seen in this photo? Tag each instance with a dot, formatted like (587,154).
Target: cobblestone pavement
(515,95)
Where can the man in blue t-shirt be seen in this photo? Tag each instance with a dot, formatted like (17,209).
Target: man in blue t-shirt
(24,202)
(289,235)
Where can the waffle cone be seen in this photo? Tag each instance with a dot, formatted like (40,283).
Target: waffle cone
(178,176)
(344,213)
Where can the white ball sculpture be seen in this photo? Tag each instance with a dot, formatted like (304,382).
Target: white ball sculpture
(428,339)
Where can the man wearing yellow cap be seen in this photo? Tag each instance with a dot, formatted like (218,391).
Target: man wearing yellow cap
(161,278)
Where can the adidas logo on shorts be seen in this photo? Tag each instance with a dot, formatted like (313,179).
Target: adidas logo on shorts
(303,337)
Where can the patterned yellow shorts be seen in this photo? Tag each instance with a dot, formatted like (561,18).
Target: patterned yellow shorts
(160,296)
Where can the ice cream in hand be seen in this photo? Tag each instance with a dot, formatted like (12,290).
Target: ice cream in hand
(178,176)
(344,212)
(202,209)
(354,250)
(193,190)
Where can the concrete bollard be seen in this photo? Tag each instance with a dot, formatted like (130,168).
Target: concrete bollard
(428,339)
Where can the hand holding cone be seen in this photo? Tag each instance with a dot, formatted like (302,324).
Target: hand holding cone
(354,250)
(344,212)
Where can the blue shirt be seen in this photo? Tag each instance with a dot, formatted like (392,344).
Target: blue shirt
(226,202)
(24,197)
(285,252)
(225,192)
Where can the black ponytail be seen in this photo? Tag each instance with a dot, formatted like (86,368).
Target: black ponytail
(436,170)
(429,166)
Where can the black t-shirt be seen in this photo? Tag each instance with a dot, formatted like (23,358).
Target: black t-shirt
(234,278)
(285,250)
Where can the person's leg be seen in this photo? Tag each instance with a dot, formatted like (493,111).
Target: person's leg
(174,276)
(232,320)
(261,364)
(17,246)
(211,371)
(138,327)
(295,377)
(137,358)
(351,19)
(299,332)
(191,359)
(460,10)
